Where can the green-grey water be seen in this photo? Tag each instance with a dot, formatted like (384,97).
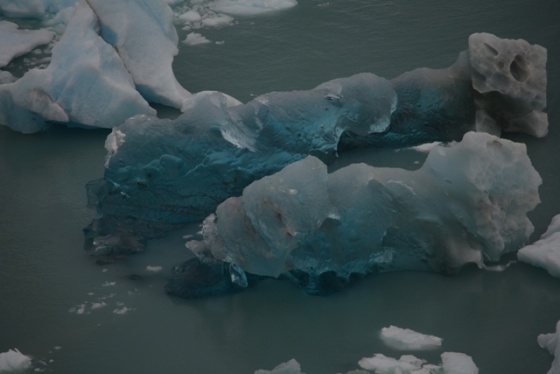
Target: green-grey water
(46,279)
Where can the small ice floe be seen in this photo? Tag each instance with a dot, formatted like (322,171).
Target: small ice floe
(406,339)
(452,363)
(195,38)
(13,360)
(154,268)
(109,284)
(121,310)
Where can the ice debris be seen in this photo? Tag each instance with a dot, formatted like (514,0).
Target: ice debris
(545,252)
(468,203)
(406,339)
(551,342)
(250,7)
(14,361)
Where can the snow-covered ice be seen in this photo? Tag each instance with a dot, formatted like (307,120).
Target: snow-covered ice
(406,339)
(545,252)
(86,83)
(144,36)
(458,363)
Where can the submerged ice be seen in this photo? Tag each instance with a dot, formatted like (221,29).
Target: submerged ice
(468,203)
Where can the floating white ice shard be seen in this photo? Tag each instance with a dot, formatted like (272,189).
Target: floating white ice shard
(144,36)
(406,339)
(250,7)
(14,361)
(545,252)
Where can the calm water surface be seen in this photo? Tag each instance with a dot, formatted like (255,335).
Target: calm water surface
(57,305)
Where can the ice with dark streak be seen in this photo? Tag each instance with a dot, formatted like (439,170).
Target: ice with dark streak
(468,203)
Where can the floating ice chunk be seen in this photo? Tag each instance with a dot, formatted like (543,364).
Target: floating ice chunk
(510,77)
(458,363)
(219,146)
(121,310)
(545,252)
(290,367)
(195,38)
(15,42)
(381,364)
(86,83)
(468,203)
(154,268)
(145,38)
(406,339)
(250,7)
(551,342)
(13,360)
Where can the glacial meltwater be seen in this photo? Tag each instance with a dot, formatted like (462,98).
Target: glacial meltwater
(74,314)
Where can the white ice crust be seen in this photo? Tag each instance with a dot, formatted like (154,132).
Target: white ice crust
(86,83)
(551,342)
(15,42)
(14,361)
(144,35)
(406,339)
(545,252)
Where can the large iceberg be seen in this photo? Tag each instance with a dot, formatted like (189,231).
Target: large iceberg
(468,203)
(161,173)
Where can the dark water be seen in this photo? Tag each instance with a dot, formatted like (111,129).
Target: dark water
(46,279)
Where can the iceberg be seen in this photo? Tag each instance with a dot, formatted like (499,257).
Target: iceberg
(551,343)
(452,363)
(468,203)
(406,339)
(289,367)
(545,252)
(15,42)
(85,84)
(144,35)
(161,174)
